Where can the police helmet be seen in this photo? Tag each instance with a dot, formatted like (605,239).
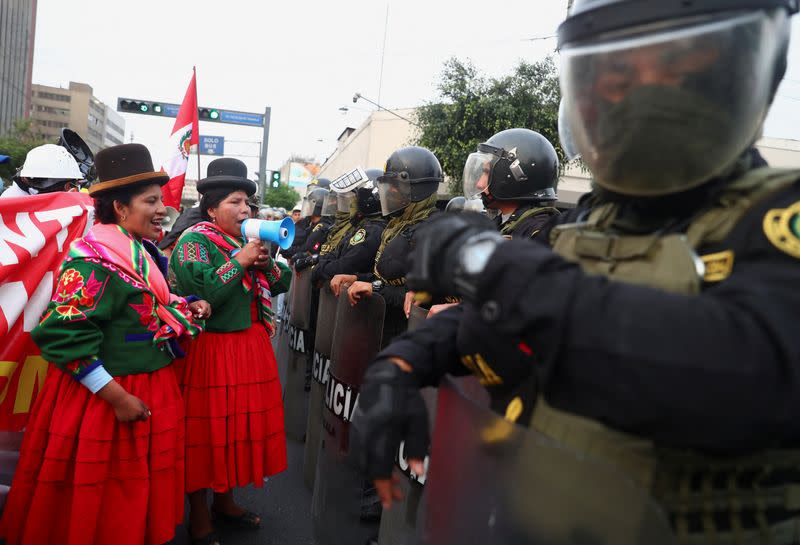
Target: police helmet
(412,174)
(313,202)
(367,198)
(660,97)
(515,164)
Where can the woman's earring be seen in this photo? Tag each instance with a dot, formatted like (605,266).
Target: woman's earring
(123,218)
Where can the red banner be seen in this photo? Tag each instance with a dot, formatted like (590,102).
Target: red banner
(35,234)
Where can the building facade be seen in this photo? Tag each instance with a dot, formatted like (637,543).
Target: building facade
(54,108)
(17,32)
(369,145)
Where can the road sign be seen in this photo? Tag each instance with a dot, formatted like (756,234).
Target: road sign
(241,118)
(212,145)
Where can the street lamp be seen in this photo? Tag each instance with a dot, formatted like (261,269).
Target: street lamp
(360,96)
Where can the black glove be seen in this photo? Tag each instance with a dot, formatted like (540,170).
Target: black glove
(505,364)
(305,262)
(451,252)
(390,410)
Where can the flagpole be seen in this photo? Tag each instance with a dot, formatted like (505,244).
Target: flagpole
(194,70)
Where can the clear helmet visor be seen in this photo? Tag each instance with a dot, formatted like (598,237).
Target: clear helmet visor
(462,204)
(655,112)
(345,202)
(565,134)
(306,208)
(477,173)
(394,194)
(329,205)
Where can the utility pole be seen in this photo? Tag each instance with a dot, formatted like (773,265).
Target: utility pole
(262,163)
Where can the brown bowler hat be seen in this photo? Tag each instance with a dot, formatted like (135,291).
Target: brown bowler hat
(125,165)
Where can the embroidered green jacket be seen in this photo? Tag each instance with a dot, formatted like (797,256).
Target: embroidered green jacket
(99,317)
(201,268)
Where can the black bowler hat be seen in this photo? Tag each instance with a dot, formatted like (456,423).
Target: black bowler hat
(226,173)
(125,165)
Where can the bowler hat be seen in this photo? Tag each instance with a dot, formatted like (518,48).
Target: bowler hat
(226,173)
(125,165)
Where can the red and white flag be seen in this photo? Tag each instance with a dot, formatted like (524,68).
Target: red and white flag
(185,134)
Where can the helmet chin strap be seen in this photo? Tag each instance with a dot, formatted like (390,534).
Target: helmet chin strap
(487,199)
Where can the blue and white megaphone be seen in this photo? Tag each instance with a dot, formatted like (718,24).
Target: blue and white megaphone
(281,232)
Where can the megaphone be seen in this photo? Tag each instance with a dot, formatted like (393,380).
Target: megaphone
(169,220)
(281,232)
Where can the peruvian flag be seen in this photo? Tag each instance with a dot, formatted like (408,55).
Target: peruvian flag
(185,134)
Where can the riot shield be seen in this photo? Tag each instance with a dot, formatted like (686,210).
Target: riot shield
(295,396)
(341,512)
(320,369)
(492,482)
(280,342)
(416,317)
(399,524)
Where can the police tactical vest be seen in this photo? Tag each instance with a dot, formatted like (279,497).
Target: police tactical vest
(693,488)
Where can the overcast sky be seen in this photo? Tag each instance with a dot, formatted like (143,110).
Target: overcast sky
(303,59)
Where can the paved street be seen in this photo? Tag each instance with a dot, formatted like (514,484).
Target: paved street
(284,504)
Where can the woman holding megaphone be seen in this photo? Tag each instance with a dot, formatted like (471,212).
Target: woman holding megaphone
(229,378)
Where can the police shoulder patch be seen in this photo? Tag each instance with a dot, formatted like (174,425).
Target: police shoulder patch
(782,228)
(359,237)
(318,226)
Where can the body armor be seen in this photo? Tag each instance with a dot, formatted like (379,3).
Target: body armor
(709,499)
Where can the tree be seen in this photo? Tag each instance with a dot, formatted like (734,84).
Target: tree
(282,196)
(473,107)
(16,143)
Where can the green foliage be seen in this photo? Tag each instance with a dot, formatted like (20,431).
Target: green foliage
(16,143)
(281,197)
(473,107)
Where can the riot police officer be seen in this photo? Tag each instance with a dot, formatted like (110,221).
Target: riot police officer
(663,313)
(407,191)
(311,212)
(515,174)
(323,214)
(355,254)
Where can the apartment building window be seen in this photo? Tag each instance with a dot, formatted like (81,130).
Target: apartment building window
(53,124)
(50,110)
(54,96)
(95,134)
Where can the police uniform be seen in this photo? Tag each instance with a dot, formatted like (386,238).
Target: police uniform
(317,235)
(301,231)
(355,254)
(526,221)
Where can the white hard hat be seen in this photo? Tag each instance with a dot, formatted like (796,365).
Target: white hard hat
(50,161)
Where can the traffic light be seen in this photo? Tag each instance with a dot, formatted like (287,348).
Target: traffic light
(275,179)
(137,106)
(209,114)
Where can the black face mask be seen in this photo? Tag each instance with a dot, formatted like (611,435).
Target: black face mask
(660,140)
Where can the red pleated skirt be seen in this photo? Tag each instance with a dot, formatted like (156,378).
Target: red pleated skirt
(234,410)
(85,478)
